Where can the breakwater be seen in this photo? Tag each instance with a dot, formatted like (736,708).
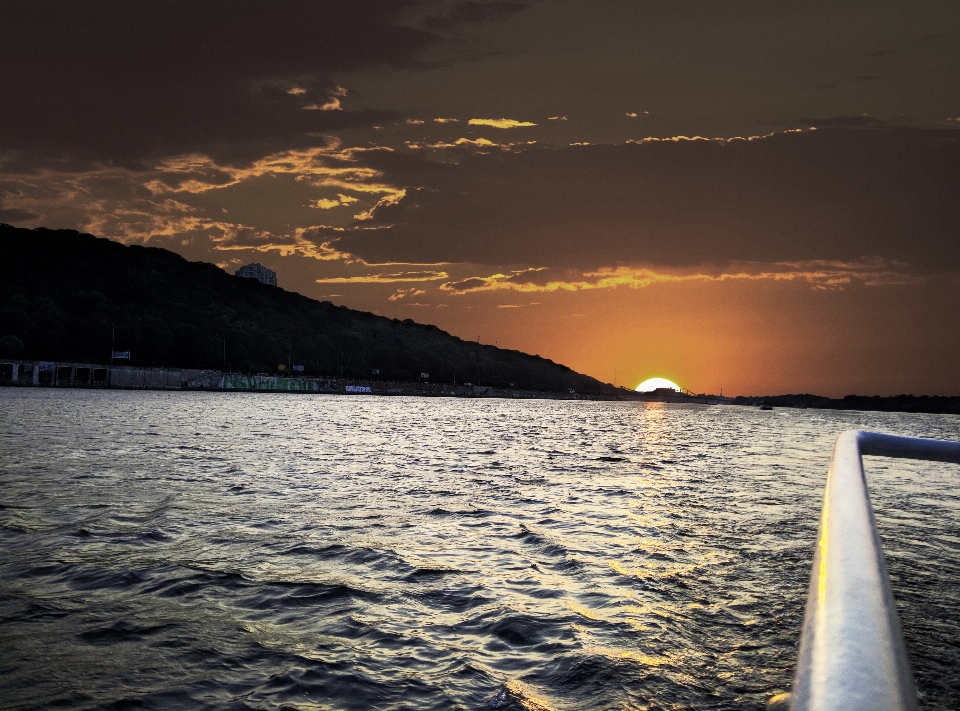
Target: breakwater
(22,373)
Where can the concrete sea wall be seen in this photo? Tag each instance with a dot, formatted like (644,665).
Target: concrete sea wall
(21,373)
(29,373)
(94,375)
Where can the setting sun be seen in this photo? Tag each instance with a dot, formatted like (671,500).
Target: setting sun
(652,384)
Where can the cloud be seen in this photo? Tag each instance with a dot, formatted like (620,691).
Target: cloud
(821,275)
(386,278)
(16,215)
(329,203)
(178,202)
(832,194)
(332,102)
(459,143)
(115,203)
(669,204)
(500,123)
(295,243)
(129,83)
(404,293)
(472,11)
(391,198)
(471,284)
(132,83)
(325,168)
(446,120)
(557,118)
(480,144)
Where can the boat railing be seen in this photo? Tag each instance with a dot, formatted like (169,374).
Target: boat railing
(852,654)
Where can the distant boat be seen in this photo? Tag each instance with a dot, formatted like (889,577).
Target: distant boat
(766,406)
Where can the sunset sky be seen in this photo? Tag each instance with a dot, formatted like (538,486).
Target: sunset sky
(758,196)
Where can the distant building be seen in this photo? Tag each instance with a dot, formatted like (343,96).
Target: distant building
(664,391)
(260,272)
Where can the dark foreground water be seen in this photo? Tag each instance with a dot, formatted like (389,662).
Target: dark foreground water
(251,551)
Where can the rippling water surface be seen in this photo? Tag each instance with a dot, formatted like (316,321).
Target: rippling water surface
(253,551)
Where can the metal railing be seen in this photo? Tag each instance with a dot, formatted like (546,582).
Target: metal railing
(852,654)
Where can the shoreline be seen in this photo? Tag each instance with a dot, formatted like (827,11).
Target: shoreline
(98,376)
(94,376)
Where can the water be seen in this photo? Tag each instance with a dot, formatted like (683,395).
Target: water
(241,551)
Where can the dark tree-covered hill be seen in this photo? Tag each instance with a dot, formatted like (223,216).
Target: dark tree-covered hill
(63,292)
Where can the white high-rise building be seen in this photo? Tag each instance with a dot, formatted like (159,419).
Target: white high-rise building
(259,272)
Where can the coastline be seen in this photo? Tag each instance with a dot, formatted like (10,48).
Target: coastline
(66,375)
(98,376)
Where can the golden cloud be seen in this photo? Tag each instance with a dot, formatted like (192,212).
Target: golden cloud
(149,218)
(501,123)
(728,139)
(142,207)
(404,293)
(324,167)
(479,143)
(392,198)
(199,173)
(332,103)
(386,278)
(329,204)
(823,275)
(238,238)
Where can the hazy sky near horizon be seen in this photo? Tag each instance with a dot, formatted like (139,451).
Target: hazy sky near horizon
(758,196)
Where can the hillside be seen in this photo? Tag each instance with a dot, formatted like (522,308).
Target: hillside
(63,291)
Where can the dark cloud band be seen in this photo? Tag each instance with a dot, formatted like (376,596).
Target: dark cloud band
(123,83)
(834,194)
